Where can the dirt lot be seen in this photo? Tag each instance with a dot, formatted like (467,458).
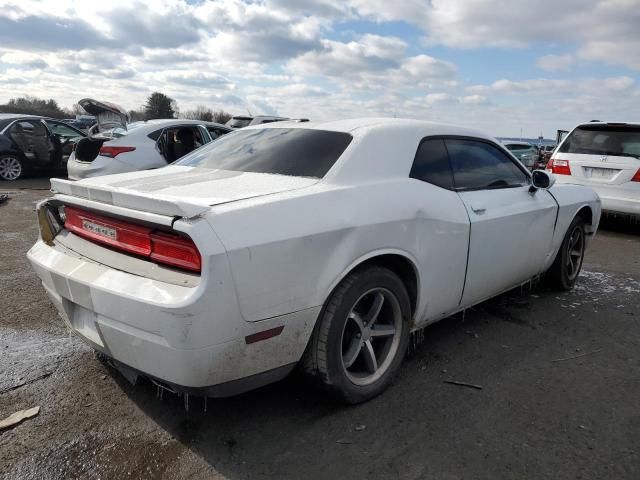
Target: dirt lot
(540,414)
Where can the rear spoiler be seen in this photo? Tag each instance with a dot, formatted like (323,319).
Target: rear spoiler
(126,199)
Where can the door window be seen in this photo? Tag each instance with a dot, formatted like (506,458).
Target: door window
(61,130)
(479,165)
(431,164)
(216,132)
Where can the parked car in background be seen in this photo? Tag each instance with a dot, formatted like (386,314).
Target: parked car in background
(523,151)
(140,146)
(244,121)
(324,244)
(82,122)
(606,157)
(547,150)
(29,142)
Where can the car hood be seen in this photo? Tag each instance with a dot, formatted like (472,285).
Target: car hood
(178,190)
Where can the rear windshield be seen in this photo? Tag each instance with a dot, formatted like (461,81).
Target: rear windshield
(239,122)
(121,132)
(517,146)
(284,151)
(623,141)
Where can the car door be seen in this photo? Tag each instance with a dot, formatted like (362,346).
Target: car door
(511,224)
(442,230)
(65,137)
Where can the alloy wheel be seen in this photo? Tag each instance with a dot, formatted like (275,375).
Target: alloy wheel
(10,168)
(575,252)
(371,336)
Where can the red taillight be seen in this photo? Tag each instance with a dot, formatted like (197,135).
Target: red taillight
(167,248)
(559,167)
(636,177)
(175,250)
(112,152)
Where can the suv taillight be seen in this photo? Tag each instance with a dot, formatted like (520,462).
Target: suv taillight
(636,177)
(113,152)
(559,167)
(172,249)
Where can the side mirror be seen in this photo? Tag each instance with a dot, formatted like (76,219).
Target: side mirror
(542,180)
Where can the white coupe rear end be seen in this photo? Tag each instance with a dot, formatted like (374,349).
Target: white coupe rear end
(605,157)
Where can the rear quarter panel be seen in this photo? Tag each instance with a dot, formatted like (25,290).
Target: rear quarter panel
(288,255)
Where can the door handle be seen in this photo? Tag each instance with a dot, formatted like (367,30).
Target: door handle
(478,209)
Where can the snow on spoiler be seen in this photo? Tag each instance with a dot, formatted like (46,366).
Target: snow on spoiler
(171,207)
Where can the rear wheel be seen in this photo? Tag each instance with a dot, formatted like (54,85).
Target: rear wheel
(362,335)
(11,167)
(568,263)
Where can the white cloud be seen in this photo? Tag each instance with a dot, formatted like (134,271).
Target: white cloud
(556,63)
(297,58)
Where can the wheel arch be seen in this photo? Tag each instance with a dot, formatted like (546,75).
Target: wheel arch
(586,213)
(398,261)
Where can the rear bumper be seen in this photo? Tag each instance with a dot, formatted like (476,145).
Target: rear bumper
(187,336)
(627,206)
(100,166)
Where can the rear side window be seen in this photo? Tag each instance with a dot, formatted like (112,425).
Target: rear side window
(479,165)
(284,151)
(603,140)
(431,164)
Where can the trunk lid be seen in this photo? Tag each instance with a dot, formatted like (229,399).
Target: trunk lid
(178,190)
(108,115)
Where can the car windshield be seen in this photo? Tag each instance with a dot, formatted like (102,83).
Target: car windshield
(284,151)
(239,122)
(619,140)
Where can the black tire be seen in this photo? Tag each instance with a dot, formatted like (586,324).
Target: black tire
(566,267)
(11,167)
(324,358)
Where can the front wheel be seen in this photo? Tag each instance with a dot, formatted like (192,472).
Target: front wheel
(568,263)
(362,335)
(11,168)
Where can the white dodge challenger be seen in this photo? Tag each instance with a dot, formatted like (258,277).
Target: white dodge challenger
(321,244)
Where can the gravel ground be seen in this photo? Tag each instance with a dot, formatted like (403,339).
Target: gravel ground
(540,414)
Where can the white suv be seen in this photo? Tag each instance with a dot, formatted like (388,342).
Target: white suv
(606,157)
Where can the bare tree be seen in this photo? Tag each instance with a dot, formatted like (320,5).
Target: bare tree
(220,116)
(200,113)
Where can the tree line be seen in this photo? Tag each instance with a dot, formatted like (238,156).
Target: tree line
(158,105)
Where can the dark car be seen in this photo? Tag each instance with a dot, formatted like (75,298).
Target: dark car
(29,142)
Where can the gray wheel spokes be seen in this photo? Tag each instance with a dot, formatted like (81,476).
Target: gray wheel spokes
(376,305)
(350,356)
(369,355)
(355,317)
(10,168)
(371,336)
(575,250)
(383,330)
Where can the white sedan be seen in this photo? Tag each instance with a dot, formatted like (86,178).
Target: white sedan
(320,244)
(140,146)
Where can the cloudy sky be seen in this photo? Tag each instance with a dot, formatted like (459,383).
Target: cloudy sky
(535,65)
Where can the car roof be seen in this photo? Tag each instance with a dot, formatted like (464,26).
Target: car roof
(5,116)
(631,124)
(516,142)
(152,125)
(361,125)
